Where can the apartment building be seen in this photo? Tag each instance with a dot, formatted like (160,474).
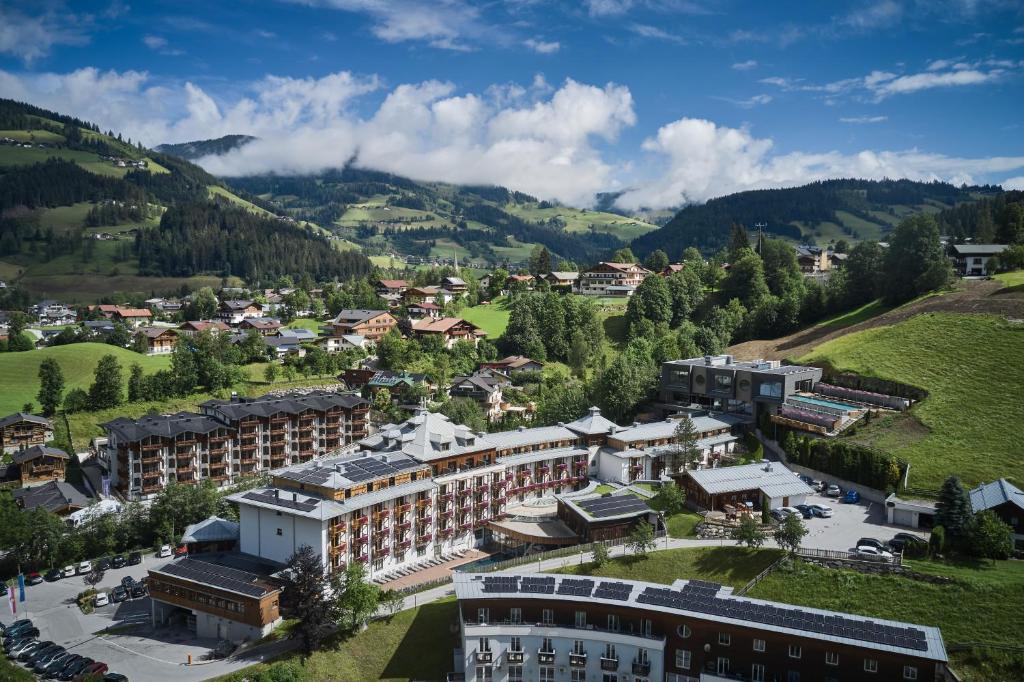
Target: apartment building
(568,629)
(372,325)
(21,430)
(229,440)
(612,279)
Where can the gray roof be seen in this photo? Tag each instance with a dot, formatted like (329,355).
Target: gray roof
(990,495)
(593,423)
(161,425)
(51,496)
(22,456)
(779,482)
(23,417)
(667,428)
(354,316)
(483,383)
(321,509)
(504,440)
(427,436)
(351,469)
(541,455)
(265,406)
(979,249)
(213,529)
(302,334)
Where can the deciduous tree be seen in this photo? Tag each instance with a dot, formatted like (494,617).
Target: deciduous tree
(106,390)
(749,533)
(790,534)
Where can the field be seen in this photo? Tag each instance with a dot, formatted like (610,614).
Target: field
(87,287)
(492,318)
(19,156)
(970,365)
(735,566)
(20,371)
(982,605)
(305,323)
(414,645)
(1011,279)
(581,220)
(218,191)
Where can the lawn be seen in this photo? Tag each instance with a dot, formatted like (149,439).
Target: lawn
(492,318)
(415,645)
(66,216)
(604,489)
(735,566)
(970,366)
(305,323)
(581,220)
(1011,279)
(682,525)
(218,191)
(982,605)
(20,371)
(855,316)
(87,287)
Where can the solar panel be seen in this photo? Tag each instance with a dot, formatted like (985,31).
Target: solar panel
(613,590)
(575,587)
(604,507)
(215,576)
(537,585)
(282,501)
(501,583)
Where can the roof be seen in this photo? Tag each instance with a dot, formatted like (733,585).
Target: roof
(393,283)
(563,275)
(203,325)
(23,417)
(348,470)
(236,304)
(161,425)
(427,436)
(355,316)
(622,267)
(294,403)
(261,323)
(387,378)
(730,363)
(666,428)
(978,249)
(154,332)
(484,383)
(778,482)
(202,571)
(994,494)
(592,423)
(513,362)
(610,507)
(710,602)
(425,306)
(443,325)
(52,496)
(28,454)
(522,436)
(213,529)
(301,334)
(133,312)
(457,281)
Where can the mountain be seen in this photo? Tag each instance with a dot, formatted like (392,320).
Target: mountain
(86,214)
(190,151)
(820,213)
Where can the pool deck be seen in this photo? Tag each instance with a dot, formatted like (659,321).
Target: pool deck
(434,572)
(821,402)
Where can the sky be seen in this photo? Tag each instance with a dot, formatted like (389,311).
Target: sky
(662,101)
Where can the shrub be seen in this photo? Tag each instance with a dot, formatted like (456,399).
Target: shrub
(937,541)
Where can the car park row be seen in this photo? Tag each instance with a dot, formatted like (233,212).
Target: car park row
(49,660)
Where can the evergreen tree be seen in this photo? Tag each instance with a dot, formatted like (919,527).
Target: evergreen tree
(136,383)
(623,255)
(953,509)
(684,451)
(106,390)
(657,261)
(51,386)
(738,241)
(540,261)
(312,598)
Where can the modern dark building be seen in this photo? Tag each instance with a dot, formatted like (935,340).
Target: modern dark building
(1006,501)
(604,517)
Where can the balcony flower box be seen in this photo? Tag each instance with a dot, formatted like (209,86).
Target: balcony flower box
(362,558)
(543,469)
(446,532)
(424,519)
(563,467)
(467,526)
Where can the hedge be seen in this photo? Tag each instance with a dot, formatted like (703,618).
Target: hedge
(849,461)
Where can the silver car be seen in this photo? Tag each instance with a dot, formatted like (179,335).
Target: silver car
(821,510)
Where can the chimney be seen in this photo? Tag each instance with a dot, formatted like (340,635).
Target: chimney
(234,396)
(561,423)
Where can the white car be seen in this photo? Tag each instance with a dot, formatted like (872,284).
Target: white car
(821,510)
(68,571)
(101,599)
(84,567)
(792,511)
(871,554)
(165,551)
(834,491)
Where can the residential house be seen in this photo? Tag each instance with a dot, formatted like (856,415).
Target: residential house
(52,312)
(337,344)
(195,327)
(391,290)
(421,295)
(456,285)
(266,326)
(450,329)
(419,310)
(159,340)
(164,305)
(233,311)
(133,317)
(299,333)
(285,345)
(971,260)
(671,269)
(21,430)
(40,464)
(813,259)
(612,279)
(485,390)
(56,497)
(514,363)
(524,281)
(1006,500)
(372,325)
(565,281)
(105,310)
(736,485)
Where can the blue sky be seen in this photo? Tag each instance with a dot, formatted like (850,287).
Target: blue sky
(665,100)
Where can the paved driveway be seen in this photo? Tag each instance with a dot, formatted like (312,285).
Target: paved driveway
(849,523)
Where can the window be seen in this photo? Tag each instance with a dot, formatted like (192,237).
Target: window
(515,616)
(831,658)
(613,622)
(578,647)
(722,666)
(609,677)
(870,665)
(684,631)
(795,651)
(909,672)
(642,656)
(792,676)
(484,644)
(515,644)
(483,616)
(547,616)
(581,619)
(484,673)
(547,674)
(515,673)
(683,659)
(645,627)
(578,675)
(609,651)
(757,672)
(280,532)
(758,645)
(724,638)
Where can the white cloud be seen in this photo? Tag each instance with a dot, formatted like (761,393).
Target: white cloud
(655,33)
(925,81)
(748,103)
(704,160)
(745,66)
(29,38)
(541,46)
(154,42)
(1016,183)
(863,119)
(600,8)
(876,15)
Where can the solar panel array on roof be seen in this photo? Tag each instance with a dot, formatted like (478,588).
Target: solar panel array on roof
(613,590)
(576,587)
(603,507)
(316,476)
(703,598)
(287,502)
(536,585)
(216,576)
(501,583)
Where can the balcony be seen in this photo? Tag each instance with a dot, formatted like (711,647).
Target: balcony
(402,508)
(484,657)
(545,657)
(423,519)
(642,668)
(423,503)
(146,489)
(423,539)
(514,656)
(382,514)
(578,660)
(609,664)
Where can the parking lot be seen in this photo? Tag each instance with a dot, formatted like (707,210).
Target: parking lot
(129,644)
(849,523)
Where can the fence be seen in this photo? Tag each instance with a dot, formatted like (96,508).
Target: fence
(842,555)
(554,554)
(759,577)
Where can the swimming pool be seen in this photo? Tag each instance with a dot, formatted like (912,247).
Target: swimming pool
(488,560)
(845,407)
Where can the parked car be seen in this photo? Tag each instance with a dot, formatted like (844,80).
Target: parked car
(103,564)
(27,632)
(871,554)
(75,668)
(30,655)
(4,629)
(19,629)
(791,511)
(778,515)
(902,541)
(92,670)
(833,491)
(871,542)
(822,511)
(180,551)
(33,578)
(24,649)
(805,510)
(53,575)
(11,642)
(45,659)
(127,582)
(115,677)
(119,561)
(84,567)
(68,572)
(851,497)
(139,591)
(164,552)
(134,559)
(66,663)
(807,479)
(118,594)
(102,599)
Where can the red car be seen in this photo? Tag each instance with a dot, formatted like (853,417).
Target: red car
(93,671)
(33,578)
(180,551)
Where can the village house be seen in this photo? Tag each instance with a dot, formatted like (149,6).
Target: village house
(133,317)
(234,311)
(421,295)
(566,281)
(971,260)
(337,344)
(21,430)
(1006,501)
(50,312)
(57,497)
(418,310)
(485,390)
(813,259)
(525,281)
(455,285)
(266,326)
(513,363)
(671,269)
(195,327)
(372,325)
(612,279)
(391,290)
(40,464)
(450,329)
(159,340)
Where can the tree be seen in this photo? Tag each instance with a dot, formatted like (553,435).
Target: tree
(687,292)
(790,533)
(540,261)
(749,533)
(766,512)
(745,281)
(203,305)
(651,301)
(465,411)
(738,241)
(623,255)
(685,451)
(311,594)
(562,401)
(641,539)
(77,400)
(600,554)
(17,340)
(669,499)
(270,373)
(937,540)
(953,509)
(94,577)
(106,390)
(657,261)
(136,383)
(357,600)
(915,262)
(627,381)
(990,537)
(392,601)
(178,506)
(51,386)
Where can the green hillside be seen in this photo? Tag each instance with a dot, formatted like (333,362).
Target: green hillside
(970,366)
(20,371)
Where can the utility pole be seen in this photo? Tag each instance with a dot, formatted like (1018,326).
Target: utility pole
(759,226)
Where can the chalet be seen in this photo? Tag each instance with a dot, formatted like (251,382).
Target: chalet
(813,259)
(421,295)
(1006,500)
(456,285)
(514,363)
(40,464)
(671,269)
(266,326)
(234,311)
(285,345)
(21,430)
(735,485)
(159,340)
(133,317)
(372,325)
(972,259)
(566,281)
(299,333)
(196,327)
(612,279)
(53,312)
(164,305)
(391,289)
(336,344)
(521,281)
(56,497)
(485,390)
(418,310)
(451,329)
(396,382)
(104,310)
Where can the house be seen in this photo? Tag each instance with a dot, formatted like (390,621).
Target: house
(133,317)
(211,535)
(813,259)
(372,325)
(195,327)
(164,305)
(566,281)
(233,311)
(336,344)
(391,289)
(266,326)
(421,295)
(418,310)
(485,390)
(450,329)
(734,485)
(971,260)
(521,281)
(56,497)
(285,345)
(21,430)
(514,363)
(612,279)
(159,340)
(104,310)
(671,269)
(596,517)
(52,312)
(40,464)
(396,382)
(456,285)
(1006,500)
(299,333)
